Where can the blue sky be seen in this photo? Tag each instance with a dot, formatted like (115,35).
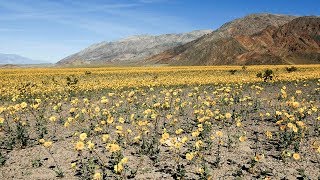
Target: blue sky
(52,29)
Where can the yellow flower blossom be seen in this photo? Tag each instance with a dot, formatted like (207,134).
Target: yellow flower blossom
(118,168)
(121,120)
(23,105)
(110,120)
(105,137)
(113,147)
(184,139)
(228,115)
(52,118)
(79,146)
(189,156)
(47,144)
(83,136)
(198,144)
(219,133)
(269,134)
(97,176)
(195,133)
(201,170)
(296,156)
(1,120)
(242,138)
(124,160)
(179,131)
(90,145)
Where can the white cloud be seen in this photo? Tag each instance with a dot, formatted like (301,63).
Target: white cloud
(118,17)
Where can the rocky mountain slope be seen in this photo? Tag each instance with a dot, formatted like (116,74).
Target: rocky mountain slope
(196,52)
(130,50)
(255,39)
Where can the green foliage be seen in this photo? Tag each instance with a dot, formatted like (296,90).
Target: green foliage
(59,173)
(150,147)
(41,127)
(37,163)
(2,159)
(22,136)
(180,172)
(317,37)
(86,167)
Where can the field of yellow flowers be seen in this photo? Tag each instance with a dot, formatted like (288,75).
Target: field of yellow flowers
(255,122)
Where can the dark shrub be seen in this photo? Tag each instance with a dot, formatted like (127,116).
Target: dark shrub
(232,71)
(87,72)
(291,69)
(267,75)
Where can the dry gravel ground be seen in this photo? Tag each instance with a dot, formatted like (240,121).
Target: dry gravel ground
(235,160)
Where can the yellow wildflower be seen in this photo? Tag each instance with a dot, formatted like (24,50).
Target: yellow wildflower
(184,139)
(79,146)
(118,168)
(83,136)
(228,115)
(195,133)
(201,170)
(219,133)
(47,144)
(121,120)
(105,137)
(124,160)
(179,131)
(110,120)
(90,145)
(1,120)
(242,138)
(189,156)
(198,144)
(23,105)
(53,118)
(296,156)
(73,165)
(97,176)
(269,134)
(295,104)
(113,147)
(290,125)
(41,141)
(165,136)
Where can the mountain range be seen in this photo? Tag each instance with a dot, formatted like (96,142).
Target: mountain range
(254,39)
(17,59)
(130,50)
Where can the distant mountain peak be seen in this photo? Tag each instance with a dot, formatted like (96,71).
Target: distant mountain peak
(17,59)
